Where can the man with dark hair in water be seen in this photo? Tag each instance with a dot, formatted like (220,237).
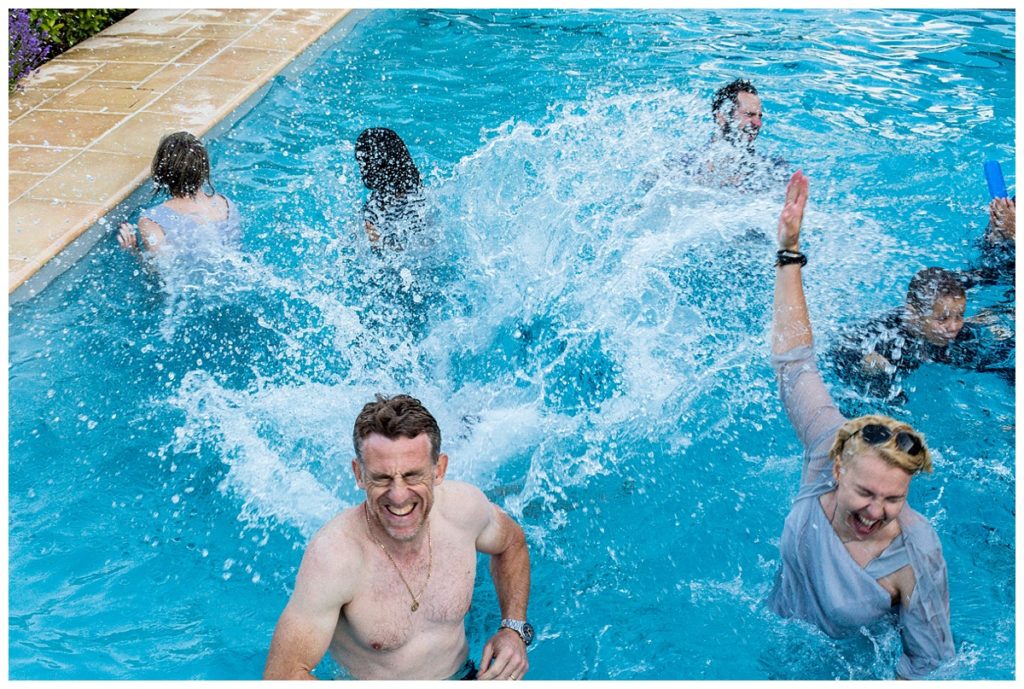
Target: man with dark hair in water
(736,108)
(386,585)
(730,159)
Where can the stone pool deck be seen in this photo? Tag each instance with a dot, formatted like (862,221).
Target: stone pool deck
(82,130)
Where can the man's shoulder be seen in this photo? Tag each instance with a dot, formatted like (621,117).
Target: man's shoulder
(338,542)
(464,505)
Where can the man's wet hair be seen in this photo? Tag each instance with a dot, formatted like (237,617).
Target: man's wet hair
(930,284)
(730,92)
(400,416)
(181,165)
(385,161)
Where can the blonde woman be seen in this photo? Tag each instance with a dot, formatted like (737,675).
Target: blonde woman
(853,551)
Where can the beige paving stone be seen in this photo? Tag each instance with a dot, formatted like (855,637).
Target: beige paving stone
(139,135)
(20,102)
(38,159)
(16,266)
(38,229)
(93,177)
(129,26)
(229,31)
(244,64)
(156,15)
(168,77)
(198,99)
(20,182)
(58,74)
(226,16)
(101,97)
(131,72)
(202,51)
(317,17)
(280,36)
(108,49)
(61,128)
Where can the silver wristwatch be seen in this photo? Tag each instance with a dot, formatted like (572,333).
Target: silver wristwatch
(521,627)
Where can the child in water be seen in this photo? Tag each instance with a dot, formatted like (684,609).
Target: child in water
(395,211)
(192,220)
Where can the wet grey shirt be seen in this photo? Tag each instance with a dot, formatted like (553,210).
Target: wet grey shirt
(194,237)
(819,581)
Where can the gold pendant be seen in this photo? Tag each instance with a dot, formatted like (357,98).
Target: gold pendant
(415,606)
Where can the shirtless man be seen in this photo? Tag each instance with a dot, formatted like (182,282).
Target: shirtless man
(386,585)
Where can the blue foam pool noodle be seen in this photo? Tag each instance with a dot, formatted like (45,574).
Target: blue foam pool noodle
(994,177)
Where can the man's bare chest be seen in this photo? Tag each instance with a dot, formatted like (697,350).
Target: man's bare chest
(381,615)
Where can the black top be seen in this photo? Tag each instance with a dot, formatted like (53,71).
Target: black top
(398,219)
(977,348)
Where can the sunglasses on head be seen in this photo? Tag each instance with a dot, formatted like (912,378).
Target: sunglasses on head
(876,434)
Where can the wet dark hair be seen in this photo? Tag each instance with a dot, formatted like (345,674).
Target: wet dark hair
(385,161)
(928,285)
(181,165)
(730,92)
(394,417)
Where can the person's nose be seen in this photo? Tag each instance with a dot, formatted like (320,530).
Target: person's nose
(399,491)
(876,509)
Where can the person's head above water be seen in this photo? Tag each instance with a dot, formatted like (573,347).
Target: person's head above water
(384,161)
(873,459)
(736,108)
(181,165)
(936,302)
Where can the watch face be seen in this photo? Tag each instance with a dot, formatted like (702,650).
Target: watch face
(528,632)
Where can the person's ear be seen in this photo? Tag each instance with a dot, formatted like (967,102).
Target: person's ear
(440,468)
(357,470)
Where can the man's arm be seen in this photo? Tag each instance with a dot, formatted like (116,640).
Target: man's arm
(305,628)
(504,655)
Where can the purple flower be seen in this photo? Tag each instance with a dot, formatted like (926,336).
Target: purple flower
(27,47)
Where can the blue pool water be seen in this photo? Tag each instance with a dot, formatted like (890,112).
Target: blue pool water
(595,350)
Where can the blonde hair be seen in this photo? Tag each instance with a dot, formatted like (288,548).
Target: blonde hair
(850,443)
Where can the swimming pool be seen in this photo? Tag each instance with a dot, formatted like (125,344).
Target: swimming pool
(595,350)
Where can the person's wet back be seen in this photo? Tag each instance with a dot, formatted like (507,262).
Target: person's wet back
(194,222)
(395,213)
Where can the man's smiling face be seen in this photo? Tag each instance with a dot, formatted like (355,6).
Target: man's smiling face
(399,477)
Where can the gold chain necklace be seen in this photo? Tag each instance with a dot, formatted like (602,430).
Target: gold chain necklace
(430,561)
